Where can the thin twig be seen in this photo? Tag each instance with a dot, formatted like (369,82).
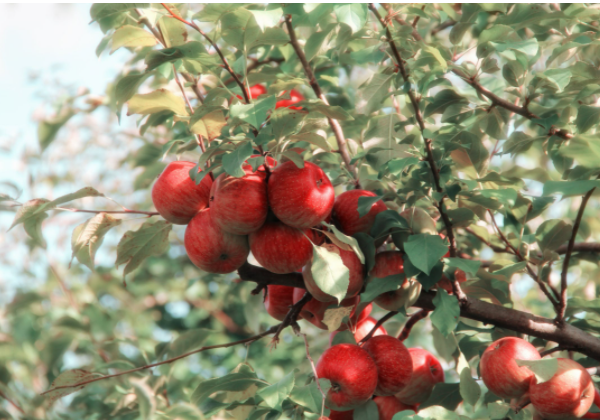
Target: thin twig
(189,105)
(565,268)
(271,330)
(335,125)
(291,316)
(414,318)
(544,353)
(126,211)
(11,402)
(401,21)
(377,325)
(314,369)
(442,26)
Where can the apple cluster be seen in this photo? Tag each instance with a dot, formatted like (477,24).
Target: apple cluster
(568,394)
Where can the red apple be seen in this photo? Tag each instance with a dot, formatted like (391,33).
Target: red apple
(341,415)
(295,97)
(394,364)
(364,314)
(269,161)
(300,197)
(389,406)
(278,300)
(500,371)
(427,371)
(445,283)
(239,204)
(356,276)
(212,249)
(568,395)
(176,196)
(255,92)
(353,376)
(280,248)
(389,263)
(365,326)
(345,212)
(314,311)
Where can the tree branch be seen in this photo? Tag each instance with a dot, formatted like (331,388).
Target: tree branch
(11,402)
(292,315)
(565,268)
(377,325)
(126,211)
(334,124)
(189,105)
(414,318)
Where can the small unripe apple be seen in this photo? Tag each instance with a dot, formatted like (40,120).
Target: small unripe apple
(345,212)
(300,197)
(427,371)
(500,371)
(280,248)
(356,275)
(353,376)
(393,361)
(239,204)
(278,301)
(295,97)
(176,196)
(568,395)
(212,249)
(389,406)
(389,263)
(314,311)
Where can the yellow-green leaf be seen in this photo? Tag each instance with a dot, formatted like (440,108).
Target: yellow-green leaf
(157,101)
(132,36)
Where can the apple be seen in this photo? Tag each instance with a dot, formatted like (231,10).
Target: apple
(255,92)
(353,376)
(280,248)
(365,326)
(176,196)
(314,311)
(341,415)
(239,204)
(269,161)
(278,300)
(568,395)
(394,364)
(356,275)
(446,284)
(427,371)
(345,212)
(389,406)
(212,249)
(389,263)
(365,312)
(295,97)
(300,197)
(500,371)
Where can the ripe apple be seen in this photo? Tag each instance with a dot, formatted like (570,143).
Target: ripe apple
(345,212)
(388,263)
(356,275)
(365,326)
(176,196)
(341,415)
(239,204)
(427,371)
(212,249)
(300,197)
(295,97)
(364,314)
(278,300)
(389,406)
(568,395)
(255,92)
(353,376)
(500,372)
(394,364)
(314,311)
(280,248)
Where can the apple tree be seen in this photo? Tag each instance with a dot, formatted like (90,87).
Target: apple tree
(343,211)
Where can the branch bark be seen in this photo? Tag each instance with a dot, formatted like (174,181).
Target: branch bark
(377,325)
(414,318)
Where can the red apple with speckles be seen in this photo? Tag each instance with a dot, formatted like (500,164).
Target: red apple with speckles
(176,196)
(212,249)
(239,205)
(427,371)
(362,329)
(314,311)
(389,263)
(568,395)
(300,197)
(280,248)
(500,371)
(345,212)
(295,97)
(394,364)
(355,280)
(389,406)
(278,300)
(353,376)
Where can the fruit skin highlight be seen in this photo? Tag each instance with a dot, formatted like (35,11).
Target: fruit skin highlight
(393,361)
(280,248)
(278,300)
(427,371)
(345,212)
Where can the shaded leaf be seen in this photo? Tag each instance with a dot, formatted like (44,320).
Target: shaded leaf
(68,378)
(446,313)
(425,251)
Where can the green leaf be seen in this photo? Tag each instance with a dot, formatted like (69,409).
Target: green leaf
(312,138)
(294,157)
(570,188)
(367,411)
(587,117)
(132,36)
(145,399)
(551,234)
(386,221)
(343,337)
(267,18)
(157,101)
(284,122)
(238,381)
(275,394)
(67,378)
(173,31)
(425,250)
(193,50)
(446,313)
(365,204)
(188,341)
(127,86)
(255,113)
(239,28)
(468,266)
(445,395)
(544,369)
(354,15)
(104,10)
(151,239)
(367,247)
(348,240)
(443,100)
(88,236)
(47,129)
(32,214)
(335,112)
(329,272)
(585,149)
(469,388)
(309,396)
(509,270)
(232,162)
(376,286)
(208,122)
(397,166)
(314,43)
(376,91)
